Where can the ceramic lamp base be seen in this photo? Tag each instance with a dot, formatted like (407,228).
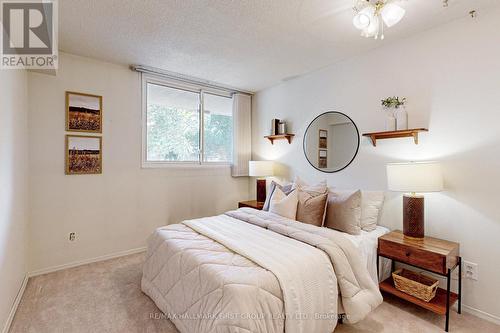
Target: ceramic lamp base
(413,216)
(261,190)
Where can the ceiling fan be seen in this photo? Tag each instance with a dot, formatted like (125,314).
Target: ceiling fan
(371,16)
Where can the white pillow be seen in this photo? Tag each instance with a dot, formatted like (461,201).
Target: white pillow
(371,205)
(285,188)
(320,187)
(284,205)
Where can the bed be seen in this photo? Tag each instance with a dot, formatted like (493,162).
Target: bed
(367,242)
(255,271)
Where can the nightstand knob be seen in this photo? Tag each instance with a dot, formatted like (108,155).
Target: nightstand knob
(408,253)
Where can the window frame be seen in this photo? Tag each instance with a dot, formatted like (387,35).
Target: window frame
(174,84)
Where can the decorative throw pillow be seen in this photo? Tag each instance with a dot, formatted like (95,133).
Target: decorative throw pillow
(371,206)
(343,212)
(312,202)
(311,207)
(283,204)
(285,188)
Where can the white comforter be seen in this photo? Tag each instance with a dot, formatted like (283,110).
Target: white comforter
(252,271)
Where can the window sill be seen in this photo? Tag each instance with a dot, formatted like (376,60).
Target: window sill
(164,165)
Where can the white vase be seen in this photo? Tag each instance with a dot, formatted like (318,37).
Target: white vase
(390,120)
(401,118)
(390,123)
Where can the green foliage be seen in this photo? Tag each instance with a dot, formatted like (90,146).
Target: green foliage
(393,102)
(218,132)
(173,135)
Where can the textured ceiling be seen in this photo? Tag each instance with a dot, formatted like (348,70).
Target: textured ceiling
(248,44)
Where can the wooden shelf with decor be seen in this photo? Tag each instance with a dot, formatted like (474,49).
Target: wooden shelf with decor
(395,134)
(287,137)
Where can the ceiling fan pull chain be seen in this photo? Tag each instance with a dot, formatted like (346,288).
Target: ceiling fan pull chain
(382,29)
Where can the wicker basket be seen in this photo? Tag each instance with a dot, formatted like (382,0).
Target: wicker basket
(415,284)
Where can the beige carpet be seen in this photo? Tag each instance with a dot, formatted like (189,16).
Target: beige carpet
(106,297)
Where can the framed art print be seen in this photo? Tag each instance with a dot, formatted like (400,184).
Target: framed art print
(83,112)
(323,137)
(83,155)
(322,159)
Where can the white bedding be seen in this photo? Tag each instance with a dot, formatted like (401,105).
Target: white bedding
(188,273)
(367,243)
(307,279)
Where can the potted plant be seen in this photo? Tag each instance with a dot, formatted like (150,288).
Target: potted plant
(397,118)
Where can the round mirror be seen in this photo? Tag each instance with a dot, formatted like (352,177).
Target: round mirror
(331,142)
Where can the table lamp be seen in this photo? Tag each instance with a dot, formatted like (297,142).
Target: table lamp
(261,169)
(414,177)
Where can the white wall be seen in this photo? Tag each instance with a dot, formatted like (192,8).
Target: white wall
(13,186)
(451,76)
(117,210)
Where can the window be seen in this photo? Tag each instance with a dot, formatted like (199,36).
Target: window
(176,131)
(217,128)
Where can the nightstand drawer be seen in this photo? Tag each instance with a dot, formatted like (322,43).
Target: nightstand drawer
(434,262)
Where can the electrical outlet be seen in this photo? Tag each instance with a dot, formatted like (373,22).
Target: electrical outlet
(72,236)
(470,270)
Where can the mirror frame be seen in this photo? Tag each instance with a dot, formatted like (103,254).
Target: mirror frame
(304,142)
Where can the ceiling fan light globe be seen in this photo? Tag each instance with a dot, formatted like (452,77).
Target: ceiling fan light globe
(368,11)
(391,14)
(373,29)
(361,21)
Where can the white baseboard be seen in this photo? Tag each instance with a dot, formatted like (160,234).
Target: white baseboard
(17,300)
(20,293)
(481,314)
(85,261)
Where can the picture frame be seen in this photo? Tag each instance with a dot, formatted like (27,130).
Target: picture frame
(323,139)
(83,155)
(322,159)
(83,112)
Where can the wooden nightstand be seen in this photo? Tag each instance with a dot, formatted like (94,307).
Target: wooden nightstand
(252,204)
(434,255)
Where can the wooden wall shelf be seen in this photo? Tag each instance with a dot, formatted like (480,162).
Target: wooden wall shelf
(287,137)
(395,134)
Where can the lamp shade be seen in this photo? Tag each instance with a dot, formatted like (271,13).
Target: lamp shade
(260,168)
(414,177)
